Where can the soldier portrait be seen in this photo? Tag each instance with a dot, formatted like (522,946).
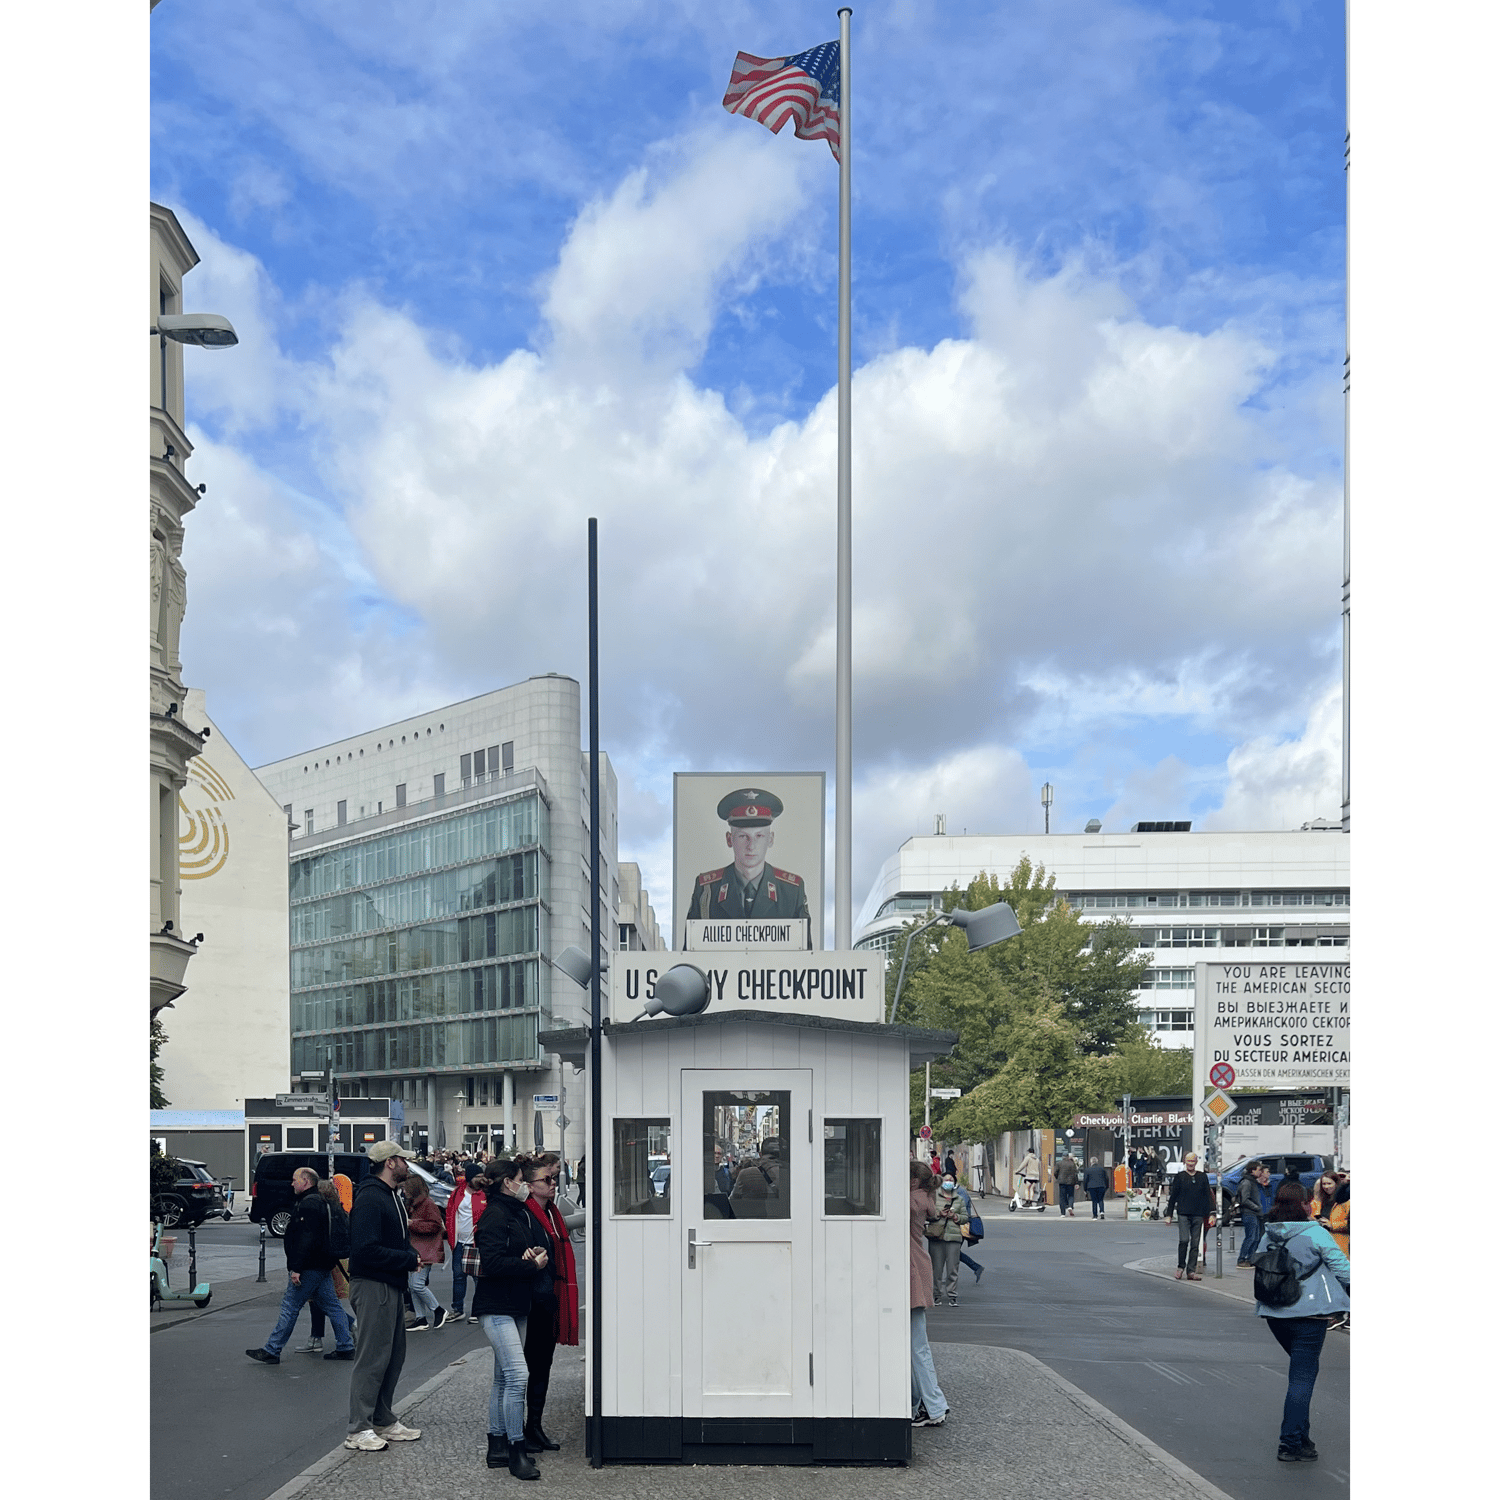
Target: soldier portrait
(750,881)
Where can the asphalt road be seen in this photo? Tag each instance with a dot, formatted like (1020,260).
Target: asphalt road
(1193,1370)
(223,1425)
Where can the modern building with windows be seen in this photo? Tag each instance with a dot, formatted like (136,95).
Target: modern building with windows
(1189,895)
(438,865)
(638,929)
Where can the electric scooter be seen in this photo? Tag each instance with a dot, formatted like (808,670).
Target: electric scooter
(161,1287)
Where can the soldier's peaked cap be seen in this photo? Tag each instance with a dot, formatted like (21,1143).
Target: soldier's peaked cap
(750,807)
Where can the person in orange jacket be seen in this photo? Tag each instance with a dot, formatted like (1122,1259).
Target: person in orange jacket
(465,1209)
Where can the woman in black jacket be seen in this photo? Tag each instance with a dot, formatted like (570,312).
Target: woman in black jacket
(512,1256)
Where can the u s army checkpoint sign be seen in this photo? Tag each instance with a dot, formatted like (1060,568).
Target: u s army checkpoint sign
(1279,1025)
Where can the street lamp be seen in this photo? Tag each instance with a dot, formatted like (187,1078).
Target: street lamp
(460,1097)
(994,924)
(204,330)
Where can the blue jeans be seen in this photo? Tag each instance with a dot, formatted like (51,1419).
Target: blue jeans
(460,1281)
(507,1336)
(317,1287)
(1302,1338)
(925,1390)
(1096,1202)
(1065,1191)
(423,1303)
(1253,1226)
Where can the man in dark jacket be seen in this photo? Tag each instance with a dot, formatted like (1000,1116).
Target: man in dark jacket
(1065,1176)
(311,1250)
(1253,1195)
(380,1256)
(1192,1200)
(1096,1185)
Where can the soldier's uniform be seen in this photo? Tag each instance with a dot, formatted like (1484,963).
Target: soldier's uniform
(722,893)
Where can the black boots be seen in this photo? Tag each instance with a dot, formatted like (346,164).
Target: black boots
(537,1441)
(499,1454)
(522,1465)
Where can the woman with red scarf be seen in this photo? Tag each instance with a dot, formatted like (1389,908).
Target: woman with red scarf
(553,1319)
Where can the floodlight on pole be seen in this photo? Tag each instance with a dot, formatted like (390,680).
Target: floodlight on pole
(206,330)
(994,924)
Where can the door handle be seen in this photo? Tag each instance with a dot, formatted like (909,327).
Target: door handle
(694,1243)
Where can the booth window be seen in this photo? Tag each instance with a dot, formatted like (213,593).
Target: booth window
(643,1166)
(851,1168)
(299,1138)
(746,1158)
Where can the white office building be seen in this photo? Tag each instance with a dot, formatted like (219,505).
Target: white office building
(1189,895)
(438,865)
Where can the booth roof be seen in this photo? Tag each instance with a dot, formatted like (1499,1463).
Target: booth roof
(572,1043)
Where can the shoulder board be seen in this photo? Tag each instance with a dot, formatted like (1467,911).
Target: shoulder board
(709,876)
(786,875)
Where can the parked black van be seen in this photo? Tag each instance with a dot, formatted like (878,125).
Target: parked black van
(271,1193)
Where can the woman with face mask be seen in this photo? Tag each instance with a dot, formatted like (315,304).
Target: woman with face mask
(512,1256)
(945,1239)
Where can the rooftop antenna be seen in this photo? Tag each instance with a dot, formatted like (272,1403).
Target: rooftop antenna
(939,824)
(1047,806)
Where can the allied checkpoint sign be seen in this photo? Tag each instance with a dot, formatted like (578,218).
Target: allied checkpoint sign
(840,986)
(1277,1025)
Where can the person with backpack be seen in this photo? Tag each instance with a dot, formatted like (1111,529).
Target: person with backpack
(1301,1286)
(316,1238)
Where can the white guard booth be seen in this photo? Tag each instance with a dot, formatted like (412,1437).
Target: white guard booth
(756,1241)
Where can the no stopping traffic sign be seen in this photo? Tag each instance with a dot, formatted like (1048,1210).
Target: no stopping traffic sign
(1221,1075)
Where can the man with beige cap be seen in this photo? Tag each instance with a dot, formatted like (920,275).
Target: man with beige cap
(380,1256)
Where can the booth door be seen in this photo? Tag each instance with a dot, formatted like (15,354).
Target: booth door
(746,1193)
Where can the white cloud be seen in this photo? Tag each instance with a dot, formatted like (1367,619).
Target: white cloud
(1070,518)
(1285,782)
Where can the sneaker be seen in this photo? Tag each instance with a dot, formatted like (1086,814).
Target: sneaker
(456,1314)
(366,1441)
(312,1346)
(925,1421)
(953,1302)
(398,1432)
(473,1317)
(420,1326)
(263,1357)
(1194,1276)
(339,1354)
(439,1318)
(1287,1455)
(978,1274)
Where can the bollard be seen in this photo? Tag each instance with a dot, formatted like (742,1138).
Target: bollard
(262,1275)
(192,1256)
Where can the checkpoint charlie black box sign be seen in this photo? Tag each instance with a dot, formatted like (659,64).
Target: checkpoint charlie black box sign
(747,860)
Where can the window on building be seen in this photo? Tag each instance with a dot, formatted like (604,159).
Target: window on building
(343,813)
(286,807)
(627,932)
(439,782)
(401,795)
(642,1172)
(492,761)
(851,1168)
(469,1090)
(465,768)
(1167,1020)
(307,824)
(508,757)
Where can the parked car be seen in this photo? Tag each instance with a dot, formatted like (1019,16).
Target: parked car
(1306,1169)
(271,1193)
(660,1177)
(194,1196)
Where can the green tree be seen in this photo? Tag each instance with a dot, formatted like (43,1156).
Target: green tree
(1147,1070)
(158,1035)
(1039,1017)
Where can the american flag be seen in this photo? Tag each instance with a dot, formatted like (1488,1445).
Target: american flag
(803,88)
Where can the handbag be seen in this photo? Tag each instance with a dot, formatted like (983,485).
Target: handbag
(468,1260)
(976,1226)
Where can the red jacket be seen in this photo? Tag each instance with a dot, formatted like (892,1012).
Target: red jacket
(451,1217)
(564,1270)
(425,1231)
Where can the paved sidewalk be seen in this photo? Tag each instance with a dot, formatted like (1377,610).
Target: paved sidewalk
(224,1294)
(995,1394)
(1237,1282)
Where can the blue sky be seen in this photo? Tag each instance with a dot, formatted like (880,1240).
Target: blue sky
(497,269)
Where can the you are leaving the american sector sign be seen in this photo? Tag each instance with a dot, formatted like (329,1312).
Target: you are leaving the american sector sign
(1277,1024)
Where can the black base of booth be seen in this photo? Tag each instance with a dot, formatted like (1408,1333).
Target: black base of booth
(845,1441)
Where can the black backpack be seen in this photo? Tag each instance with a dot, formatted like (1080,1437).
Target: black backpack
(1277,1283)
(338,1231)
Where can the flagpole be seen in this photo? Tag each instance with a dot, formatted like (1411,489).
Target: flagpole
(843,840)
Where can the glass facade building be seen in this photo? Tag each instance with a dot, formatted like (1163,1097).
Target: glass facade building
(420,950)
